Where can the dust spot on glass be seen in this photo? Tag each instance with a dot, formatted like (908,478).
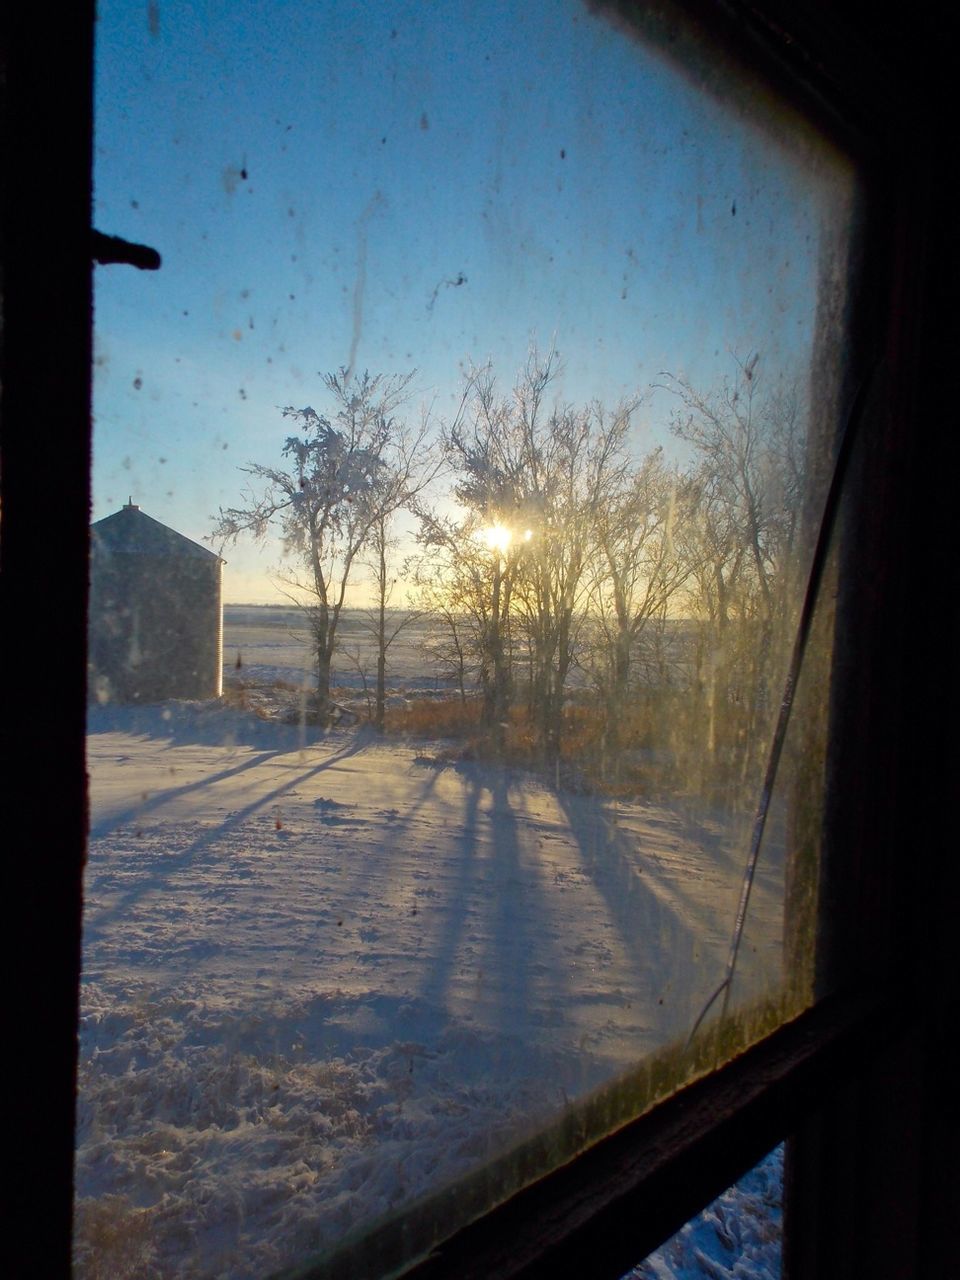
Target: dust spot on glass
(424,122)
(137,383)
(455,283)
(232,176)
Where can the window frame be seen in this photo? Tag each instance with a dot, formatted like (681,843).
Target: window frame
(862,1080)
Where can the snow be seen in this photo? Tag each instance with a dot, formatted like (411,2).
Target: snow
(738,1237)
(325,973)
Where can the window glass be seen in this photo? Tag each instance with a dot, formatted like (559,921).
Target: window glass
(456,481)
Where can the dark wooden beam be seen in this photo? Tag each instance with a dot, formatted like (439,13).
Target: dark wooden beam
(47,97)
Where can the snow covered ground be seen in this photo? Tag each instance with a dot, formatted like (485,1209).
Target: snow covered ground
(324,973)
(738,1237)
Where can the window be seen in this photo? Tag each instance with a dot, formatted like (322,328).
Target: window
(867,946)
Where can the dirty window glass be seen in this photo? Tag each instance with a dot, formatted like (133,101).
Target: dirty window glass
(456,478)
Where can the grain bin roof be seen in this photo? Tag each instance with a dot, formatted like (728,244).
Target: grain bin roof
(130,532)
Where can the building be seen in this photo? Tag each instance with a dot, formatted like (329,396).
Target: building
(156,616)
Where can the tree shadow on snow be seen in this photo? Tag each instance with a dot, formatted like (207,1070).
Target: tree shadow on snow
(170,864)
(675,945)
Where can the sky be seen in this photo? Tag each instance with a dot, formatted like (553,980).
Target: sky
(405,187)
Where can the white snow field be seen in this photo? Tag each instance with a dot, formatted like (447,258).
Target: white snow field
(325,973)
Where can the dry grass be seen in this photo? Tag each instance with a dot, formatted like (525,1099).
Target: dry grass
(585,760)
(255,695)
(113,1240)
(282,700)
(658,748)
(436,718)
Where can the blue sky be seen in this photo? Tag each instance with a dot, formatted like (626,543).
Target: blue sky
(316,177)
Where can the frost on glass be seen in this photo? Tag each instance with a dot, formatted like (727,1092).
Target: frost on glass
(456,479)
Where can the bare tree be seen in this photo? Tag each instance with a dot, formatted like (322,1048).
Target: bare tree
(641,561)
(530,477)
(749,485)
(581,463)
(417,462)
(384,623)
(340,476)
(465,576)
(491,451)
(750,448)
(452,579)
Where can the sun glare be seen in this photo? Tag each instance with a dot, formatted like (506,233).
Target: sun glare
(498,538)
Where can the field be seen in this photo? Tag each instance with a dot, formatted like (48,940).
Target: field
(325,973)
(262,643)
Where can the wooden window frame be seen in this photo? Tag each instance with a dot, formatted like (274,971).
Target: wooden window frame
(862,1083)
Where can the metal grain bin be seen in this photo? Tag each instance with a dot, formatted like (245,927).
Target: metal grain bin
(156,616)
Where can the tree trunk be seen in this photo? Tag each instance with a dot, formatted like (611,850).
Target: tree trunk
(381,632)
(498,692)
(617,692)
(323,624)
(324,663)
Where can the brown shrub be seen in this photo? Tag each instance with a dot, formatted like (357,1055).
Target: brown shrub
(435,718)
